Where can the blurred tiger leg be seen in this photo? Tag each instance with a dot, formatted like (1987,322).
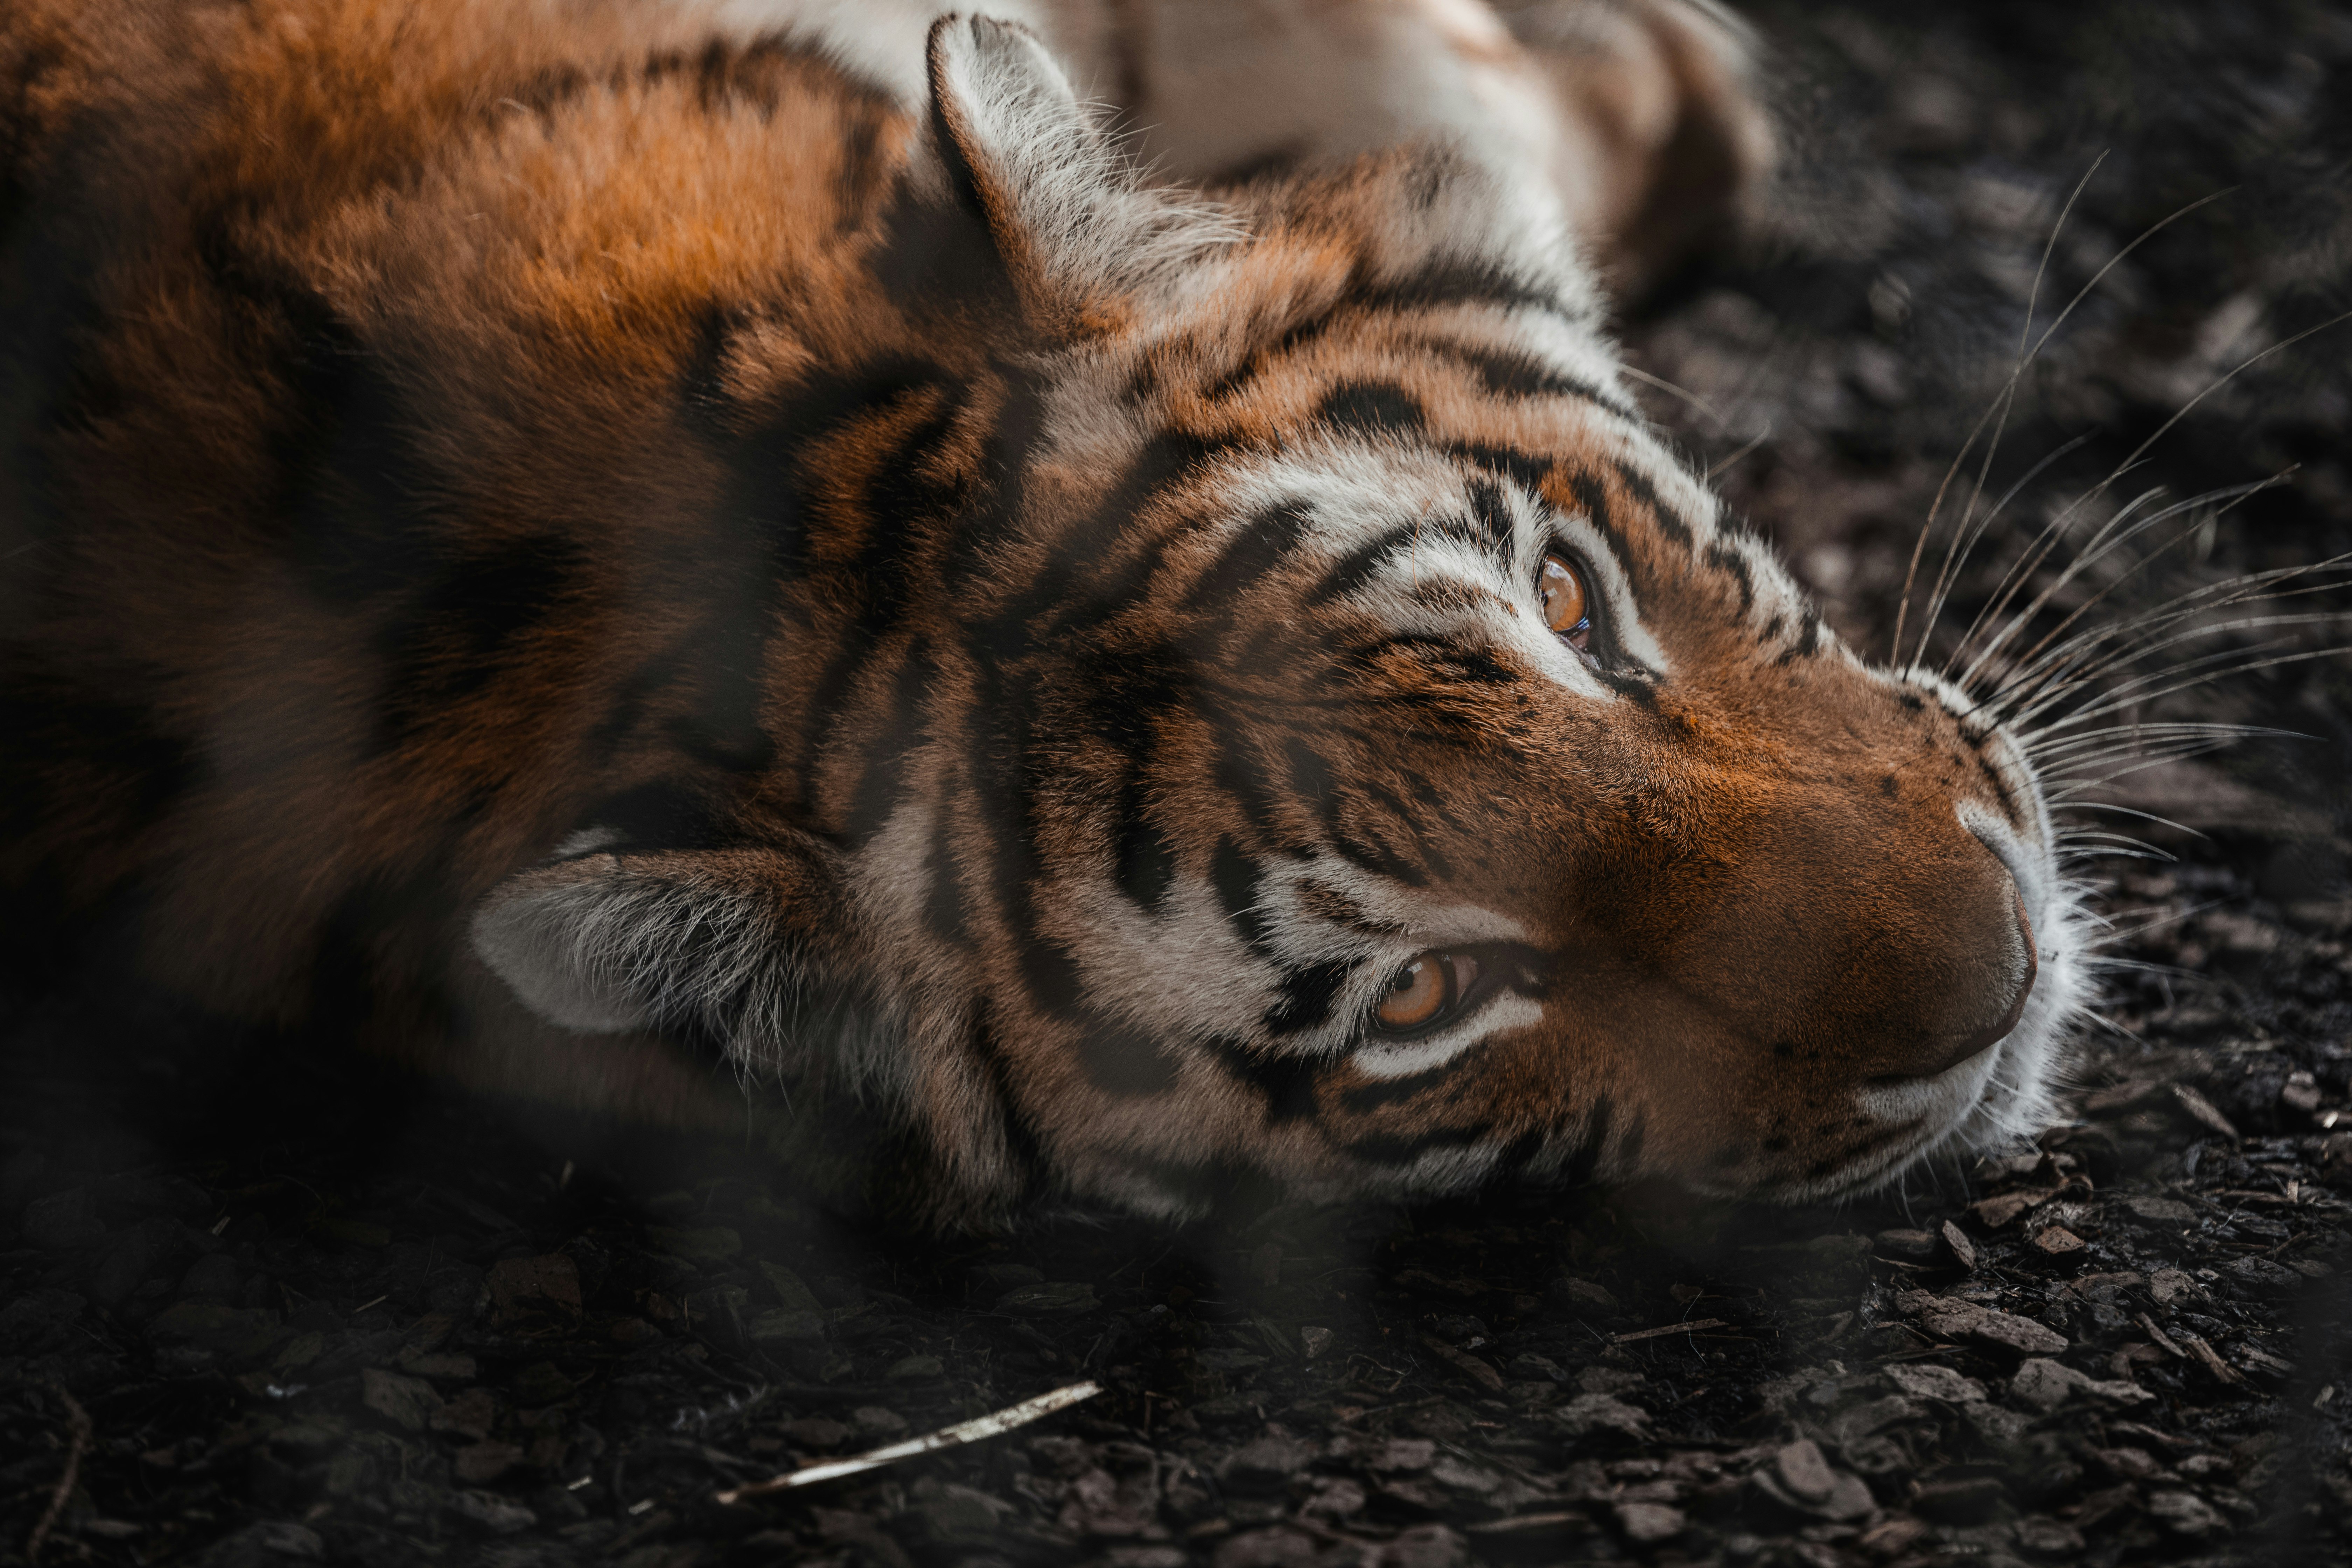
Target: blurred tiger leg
(1638,119)
(1663,141)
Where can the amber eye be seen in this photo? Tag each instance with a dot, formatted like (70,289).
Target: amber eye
(1427,989)
(1565,611)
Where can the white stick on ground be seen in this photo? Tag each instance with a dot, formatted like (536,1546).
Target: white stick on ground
(973,1431)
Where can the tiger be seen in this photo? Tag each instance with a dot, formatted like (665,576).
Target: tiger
(667,558)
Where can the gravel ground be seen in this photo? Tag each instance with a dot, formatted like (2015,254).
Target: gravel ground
(305,1311)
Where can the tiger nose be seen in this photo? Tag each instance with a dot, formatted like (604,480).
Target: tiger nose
(2000,1003)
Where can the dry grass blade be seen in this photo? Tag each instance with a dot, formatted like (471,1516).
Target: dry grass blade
(1661,1332)
(77,1439)
(992,1424)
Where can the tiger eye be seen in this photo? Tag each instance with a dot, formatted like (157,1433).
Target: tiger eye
(1562,592)
(1425,988)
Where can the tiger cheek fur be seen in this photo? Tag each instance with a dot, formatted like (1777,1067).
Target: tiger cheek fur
(720,558)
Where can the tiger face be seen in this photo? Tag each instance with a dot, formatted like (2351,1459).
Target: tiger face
(1361,755)
(603,542)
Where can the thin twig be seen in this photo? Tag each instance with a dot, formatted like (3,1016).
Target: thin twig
(1667,1328)
(76,1444)
(972,1431)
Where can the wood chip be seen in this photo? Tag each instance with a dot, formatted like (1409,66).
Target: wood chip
(2265,1360)
(1468,1366)
(2057,1240)
(1688,1328)
(2204,1111)
(1964,1251)
(2212,1359)
(2163,1340)
(989,1425)
(1994,1212)
(2119,1097)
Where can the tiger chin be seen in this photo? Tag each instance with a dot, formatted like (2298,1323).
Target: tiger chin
(614,558)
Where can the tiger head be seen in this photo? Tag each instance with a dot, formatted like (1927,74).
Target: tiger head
(1322,731)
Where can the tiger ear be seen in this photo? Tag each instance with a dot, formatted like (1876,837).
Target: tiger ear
(1069,218)
(722,940)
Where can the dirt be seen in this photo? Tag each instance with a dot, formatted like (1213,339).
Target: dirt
(308,1311)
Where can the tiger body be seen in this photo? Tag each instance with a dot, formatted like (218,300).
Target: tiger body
(593,538)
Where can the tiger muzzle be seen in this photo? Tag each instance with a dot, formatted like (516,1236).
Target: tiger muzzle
(1853,946)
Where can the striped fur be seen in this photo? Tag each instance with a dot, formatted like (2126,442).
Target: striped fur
(594,539)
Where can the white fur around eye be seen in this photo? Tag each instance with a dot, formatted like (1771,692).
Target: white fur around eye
(1404,1059)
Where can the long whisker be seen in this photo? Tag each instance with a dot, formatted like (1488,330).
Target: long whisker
(1685,393)
(2144,633)
(1990,516)
(2000,399)
(2111,536)
(1746,447)
(2035,695)
(2199,679)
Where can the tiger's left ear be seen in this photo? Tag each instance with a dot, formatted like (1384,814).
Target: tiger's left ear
(1074,227)
(736,941)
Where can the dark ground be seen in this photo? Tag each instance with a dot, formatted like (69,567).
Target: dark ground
(349,1319)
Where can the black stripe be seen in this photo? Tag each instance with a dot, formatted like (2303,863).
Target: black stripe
(1051,973)
(1369,409)
(896,735)
(1456,280)
(1308,995)
(1359,567)
(1629,1147)
(2009,802)
(759,544)
(1146,860)
(943,907)
(1465,663)
(1236,877)
(662,813)
(1255,549)
(1507,373)
(1287,1081)
(122,764)
(1724,558)
(1449,282)
(1060,598)
(1238,772)
(1119,1061)
(1592,500)
(1633,685)
(1670,522)
(1364,1098)
(1809,637)
(1376,858)
(1426,792)
(1592,1141)
(705,405)
(1520,1153)
(1022,1145)
(1491,513)
(1402,1149)
(1522,468)
(1003,779)
(451,641)
(1431,856)
(1310,775)
(976,552)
